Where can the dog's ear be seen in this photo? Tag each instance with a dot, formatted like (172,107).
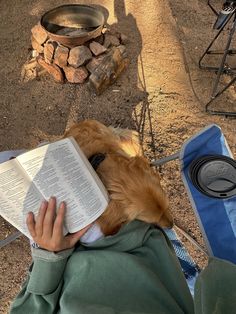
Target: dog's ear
(144,197)
(128,141)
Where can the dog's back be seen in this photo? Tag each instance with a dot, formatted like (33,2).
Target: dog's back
(135,192)
(94,137)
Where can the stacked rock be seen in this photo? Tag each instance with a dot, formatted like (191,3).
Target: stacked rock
(104,54)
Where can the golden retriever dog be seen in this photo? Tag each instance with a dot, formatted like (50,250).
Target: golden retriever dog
(133,186)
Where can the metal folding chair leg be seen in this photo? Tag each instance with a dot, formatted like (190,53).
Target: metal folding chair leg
(223,67)
(162,161)
(10,238)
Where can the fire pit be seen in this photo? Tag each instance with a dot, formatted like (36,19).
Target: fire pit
(72,44)
(74,24)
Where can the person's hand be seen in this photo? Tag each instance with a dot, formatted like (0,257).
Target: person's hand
(47,229)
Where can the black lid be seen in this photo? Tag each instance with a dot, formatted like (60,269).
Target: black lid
(214,175)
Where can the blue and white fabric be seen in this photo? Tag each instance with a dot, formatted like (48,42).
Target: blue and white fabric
(189,267)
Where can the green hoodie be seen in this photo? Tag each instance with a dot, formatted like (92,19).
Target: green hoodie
(134,271)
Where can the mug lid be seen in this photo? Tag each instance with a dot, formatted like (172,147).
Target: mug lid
(214,175)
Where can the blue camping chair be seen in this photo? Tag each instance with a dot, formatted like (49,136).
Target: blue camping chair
(216,215)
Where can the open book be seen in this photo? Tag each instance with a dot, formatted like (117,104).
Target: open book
(57,169)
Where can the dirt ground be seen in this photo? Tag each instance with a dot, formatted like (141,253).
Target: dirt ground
(162,95)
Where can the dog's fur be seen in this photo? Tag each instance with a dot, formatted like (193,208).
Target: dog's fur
(134,187)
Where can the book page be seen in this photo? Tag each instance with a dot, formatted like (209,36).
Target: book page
(58,170)
(18,195)
(90,168)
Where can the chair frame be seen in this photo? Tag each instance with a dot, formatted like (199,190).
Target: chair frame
(223,67)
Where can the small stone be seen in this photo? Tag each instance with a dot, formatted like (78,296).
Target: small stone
(52,69)
(96,48)
(79,55)
(36,46)
(77,75)
(122,49)
(105,30)
(115,33)
(124,39)
(94,63)
(31,64)
(61,56)
(111,40)
(29,70)
(108,71)
(49,50)
(35,53)
(39,34)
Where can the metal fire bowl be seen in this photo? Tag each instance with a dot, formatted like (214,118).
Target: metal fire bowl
(74,16)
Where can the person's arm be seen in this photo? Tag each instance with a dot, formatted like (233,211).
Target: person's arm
(215,288)
(41,291)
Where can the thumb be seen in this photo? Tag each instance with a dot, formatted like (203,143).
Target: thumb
(74,237)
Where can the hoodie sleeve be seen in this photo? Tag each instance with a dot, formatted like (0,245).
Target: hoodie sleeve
(41,290)
(215,288)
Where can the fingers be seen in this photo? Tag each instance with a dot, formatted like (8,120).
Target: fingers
(40,218)
(31,224)
(58,225)
(47,229)
(49,217)
(75,237)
